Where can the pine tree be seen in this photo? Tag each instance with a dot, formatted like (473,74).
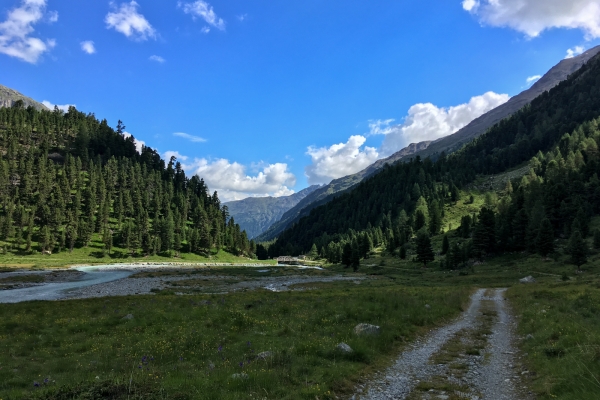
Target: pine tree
(445,245)
(313,254)
(347,255)
(545,239)
(577,249)
(424,250)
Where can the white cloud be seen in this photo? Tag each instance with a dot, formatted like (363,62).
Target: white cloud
(532,17)
(339,160)
(63,107)
(242,17)
(425,121)
(88,47)
(129,22)
(230,180)
(15,31)
(532,79)
(575,51)
(168,154)
(205,29)
(203,10)
(380,127)
(52,16)
(138,143)
(191,138)
(158,59)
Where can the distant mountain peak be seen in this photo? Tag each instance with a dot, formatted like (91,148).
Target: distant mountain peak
(9,96)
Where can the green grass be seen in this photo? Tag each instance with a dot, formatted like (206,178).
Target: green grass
(93,254)
(563,319)
(73,342)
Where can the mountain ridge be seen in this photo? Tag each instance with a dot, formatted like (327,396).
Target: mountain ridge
(448,144)
(255,214)
(8,97)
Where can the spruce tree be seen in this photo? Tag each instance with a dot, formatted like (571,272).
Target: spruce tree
(445,245)
(577,249)
(544,242)
(424,250)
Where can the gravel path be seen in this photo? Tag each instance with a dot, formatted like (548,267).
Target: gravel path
(490,375)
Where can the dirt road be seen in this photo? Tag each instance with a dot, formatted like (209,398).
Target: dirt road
(472,358)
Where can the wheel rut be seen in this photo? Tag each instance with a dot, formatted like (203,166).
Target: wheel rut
(474,357)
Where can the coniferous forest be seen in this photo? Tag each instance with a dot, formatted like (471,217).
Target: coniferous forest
(66,177)
(557,135)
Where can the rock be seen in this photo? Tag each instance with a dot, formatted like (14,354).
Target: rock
(529,337)
(427,306)
(367,330)
(344,348)
(240,376)
(128,317)
(264,355)
(529,279)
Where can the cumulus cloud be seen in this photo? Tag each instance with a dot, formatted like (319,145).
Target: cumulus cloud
(63,107)
(168,154)
(127,20)
(138,143)
(242,17)
(191,138)
(205,29)
(339,160)
(532,79)
(426,121)
(88,47)
(380,126)
(201,9)
(158,59)
(575,51)
(233,183)
(532,17)
(15,32)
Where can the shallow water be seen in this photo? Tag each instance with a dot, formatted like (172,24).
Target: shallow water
(54,291)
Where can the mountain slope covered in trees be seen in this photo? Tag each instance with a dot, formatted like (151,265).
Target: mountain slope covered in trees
(448,144)
(557,134)
(65,177)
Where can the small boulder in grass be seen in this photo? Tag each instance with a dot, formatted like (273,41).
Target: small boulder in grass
(529,279)
(240,376)
(264,355)
(128,317)
(367,330)
(344,348)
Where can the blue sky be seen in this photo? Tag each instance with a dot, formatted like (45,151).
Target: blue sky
(265,98)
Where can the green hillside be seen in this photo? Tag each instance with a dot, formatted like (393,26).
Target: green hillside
(391,207)
(68,180)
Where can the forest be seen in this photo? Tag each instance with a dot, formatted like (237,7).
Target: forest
(65,177)
(400,208)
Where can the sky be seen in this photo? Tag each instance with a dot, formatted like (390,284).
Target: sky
(264,98)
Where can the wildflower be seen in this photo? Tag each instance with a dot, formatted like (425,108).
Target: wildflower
(180,358)
(249,344)
(220,348)
(36,384)
(241,364)
(46,380)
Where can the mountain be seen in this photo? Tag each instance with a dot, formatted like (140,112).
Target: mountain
(256,214)
(327,192)
(69,180)
(9,96)
(478,126)
(448,144)
(557,135)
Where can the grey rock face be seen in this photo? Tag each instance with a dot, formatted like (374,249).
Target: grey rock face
(367,330)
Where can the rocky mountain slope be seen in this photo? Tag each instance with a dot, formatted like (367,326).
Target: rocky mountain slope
(448,144)
(9,96)
(256,214)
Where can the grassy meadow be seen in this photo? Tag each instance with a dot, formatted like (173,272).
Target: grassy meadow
(190,347)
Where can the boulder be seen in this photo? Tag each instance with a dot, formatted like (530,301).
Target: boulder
(367,330)
(128,316)
(240,376)
(427,306)
(344,348)
(264,355)
(529,279)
